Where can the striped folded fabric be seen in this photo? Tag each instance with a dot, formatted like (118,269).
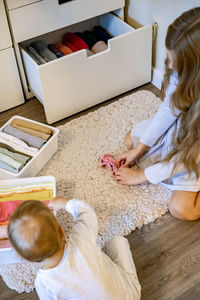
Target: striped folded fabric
(12,196)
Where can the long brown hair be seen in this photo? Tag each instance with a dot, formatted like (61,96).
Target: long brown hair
(183,38)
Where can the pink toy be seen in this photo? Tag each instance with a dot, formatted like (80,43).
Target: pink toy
(108,161)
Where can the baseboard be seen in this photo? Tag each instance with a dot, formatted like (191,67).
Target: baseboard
(157,78)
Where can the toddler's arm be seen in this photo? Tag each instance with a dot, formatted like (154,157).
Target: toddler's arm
(85,219)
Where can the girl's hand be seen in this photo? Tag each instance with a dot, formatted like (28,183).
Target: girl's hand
(127,157)
(58,202)
(130,156)
(129,176)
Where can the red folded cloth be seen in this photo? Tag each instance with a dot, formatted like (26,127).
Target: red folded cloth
(74,39)
(71,46)
(8,207)
(63,49)
(107,160)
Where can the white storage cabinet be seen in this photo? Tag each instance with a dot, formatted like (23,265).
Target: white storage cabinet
(10,86)
(77,81)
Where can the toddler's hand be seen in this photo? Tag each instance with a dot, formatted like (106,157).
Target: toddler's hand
(58,202)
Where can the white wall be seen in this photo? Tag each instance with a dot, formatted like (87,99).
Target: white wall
(164,12)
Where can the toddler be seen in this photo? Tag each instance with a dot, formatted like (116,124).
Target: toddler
(73,267)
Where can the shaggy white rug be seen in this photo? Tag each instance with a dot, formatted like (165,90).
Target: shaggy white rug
(120,209)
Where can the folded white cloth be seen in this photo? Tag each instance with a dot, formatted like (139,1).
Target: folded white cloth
(17,144)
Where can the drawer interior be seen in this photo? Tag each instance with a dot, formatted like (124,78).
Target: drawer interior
(111,23)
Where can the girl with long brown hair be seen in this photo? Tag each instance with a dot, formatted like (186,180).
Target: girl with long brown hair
(167,146)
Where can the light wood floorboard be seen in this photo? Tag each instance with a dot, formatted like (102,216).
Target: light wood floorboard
(166,252)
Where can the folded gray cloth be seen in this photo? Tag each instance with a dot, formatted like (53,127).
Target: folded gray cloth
(43,50)
(31,140)
(35,55)
(23,159)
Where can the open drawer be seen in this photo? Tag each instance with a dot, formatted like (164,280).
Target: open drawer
(79,80)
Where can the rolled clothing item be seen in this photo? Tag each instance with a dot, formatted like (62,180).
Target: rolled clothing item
(63,49)
(91,36)
(101,34)
(84,37)
(17,144)
(38,58)
(32,132)
(23,159)
(108,161)
(99,47)
(32,141)
(11,162)
(7,168)
(14,151)
(34,57)
(55,50)
(75,40)
(70,45)
(43,50)
(31,125)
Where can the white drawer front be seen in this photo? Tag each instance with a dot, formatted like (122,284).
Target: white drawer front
(47,15)
(5,39)
(77,81)
(10,86)
(12,4)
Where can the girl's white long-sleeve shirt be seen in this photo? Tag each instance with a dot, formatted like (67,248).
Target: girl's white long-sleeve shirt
(160,123)
(85,272)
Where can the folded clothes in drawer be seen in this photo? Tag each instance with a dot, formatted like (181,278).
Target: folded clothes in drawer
(25,146)
(95,40)
(13,193)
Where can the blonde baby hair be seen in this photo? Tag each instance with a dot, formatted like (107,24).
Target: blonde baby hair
(34,231)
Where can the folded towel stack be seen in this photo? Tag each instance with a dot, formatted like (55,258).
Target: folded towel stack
(12,196)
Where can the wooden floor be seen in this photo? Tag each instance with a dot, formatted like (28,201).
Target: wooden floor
(166,252)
